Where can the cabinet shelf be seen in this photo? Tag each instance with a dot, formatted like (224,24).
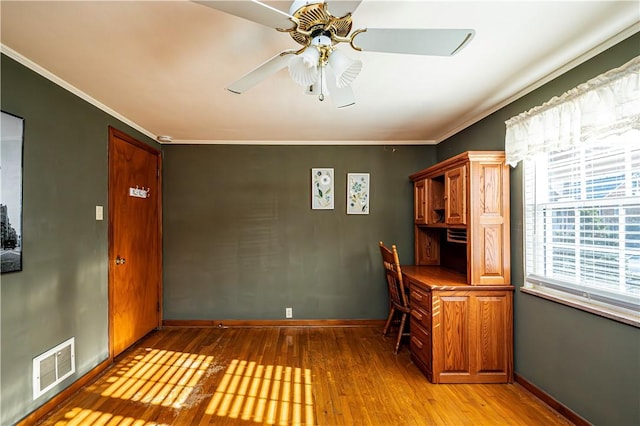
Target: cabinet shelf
(435,225)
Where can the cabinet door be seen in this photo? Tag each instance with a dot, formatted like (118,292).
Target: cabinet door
(420,202)
(455,197)
(454,351)
(472,337)
(493,337)
(489,218)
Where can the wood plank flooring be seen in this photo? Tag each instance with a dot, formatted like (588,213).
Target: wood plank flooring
(285,376)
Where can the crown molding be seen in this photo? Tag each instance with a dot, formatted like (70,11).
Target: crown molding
(298,142)
(71,88)
(622,35)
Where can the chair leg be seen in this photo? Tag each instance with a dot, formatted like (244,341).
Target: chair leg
(400,330)
(386,326)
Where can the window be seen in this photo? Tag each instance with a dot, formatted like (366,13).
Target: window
(581,177)
(582,220)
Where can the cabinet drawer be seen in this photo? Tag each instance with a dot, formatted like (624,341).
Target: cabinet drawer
(420,298)
(419,316)
(421,345)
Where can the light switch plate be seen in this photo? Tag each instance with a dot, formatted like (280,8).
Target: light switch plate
(99,213)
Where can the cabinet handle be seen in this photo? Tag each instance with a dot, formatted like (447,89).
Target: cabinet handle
(417,315)
(416,342)
(416,296)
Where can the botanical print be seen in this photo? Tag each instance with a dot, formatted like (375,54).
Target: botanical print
(358,193)
(321,189)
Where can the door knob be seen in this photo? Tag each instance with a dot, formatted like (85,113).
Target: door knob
(120,260)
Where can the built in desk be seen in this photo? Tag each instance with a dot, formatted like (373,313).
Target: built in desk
(460,333)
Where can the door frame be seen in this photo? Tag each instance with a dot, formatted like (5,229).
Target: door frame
(115,133)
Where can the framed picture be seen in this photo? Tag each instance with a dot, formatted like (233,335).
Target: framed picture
(322,189)
(11,140)
(358,193)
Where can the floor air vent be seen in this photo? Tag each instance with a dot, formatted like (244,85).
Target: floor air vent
(53,366)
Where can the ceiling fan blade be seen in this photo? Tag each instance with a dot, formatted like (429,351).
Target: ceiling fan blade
(431,41)
(255,11)
(340,96)
(341,8)
(263,71)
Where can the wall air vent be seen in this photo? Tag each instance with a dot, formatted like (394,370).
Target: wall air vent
(53,366)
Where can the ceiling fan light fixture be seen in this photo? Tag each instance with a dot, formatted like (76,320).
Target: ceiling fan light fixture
(318,66)
(345,68)
(303,68)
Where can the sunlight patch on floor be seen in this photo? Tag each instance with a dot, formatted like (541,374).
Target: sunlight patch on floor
(267,394)
(79,416)
(264,394)
(160,377)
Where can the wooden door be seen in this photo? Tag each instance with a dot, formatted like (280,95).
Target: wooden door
(134,240)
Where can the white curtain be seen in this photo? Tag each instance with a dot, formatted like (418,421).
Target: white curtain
(606,105)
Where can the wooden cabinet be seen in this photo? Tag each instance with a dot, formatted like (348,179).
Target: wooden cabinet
(459,333)
(464,201)
(460,293)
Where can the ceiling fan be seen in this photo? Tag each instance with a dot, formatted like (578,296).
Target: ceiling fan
(319,27)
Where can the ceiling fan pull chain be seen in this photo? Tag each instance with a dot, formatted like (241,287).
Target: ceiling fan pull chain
(321,96)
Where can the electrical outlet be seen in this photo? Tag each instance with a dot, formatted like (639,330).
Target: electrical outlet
(288,312)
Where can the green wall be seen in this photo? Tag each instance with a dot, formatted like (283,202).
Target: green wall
(242,242)
(589,363)
(62,290)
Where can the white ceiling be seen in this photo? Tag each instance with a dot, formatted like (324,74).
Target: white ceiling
(162,66)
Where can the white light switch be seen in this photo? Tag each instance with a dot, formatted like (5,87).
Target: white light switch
(99,215)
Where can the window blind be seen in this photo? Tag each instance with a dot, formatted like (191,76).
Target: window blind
(582,219)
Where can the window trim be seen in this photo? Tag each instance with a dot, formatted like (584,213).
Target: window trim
(588,293)
(608,311)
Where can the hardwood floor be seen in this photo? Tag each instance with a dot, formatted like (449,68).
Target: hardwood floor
(285,376)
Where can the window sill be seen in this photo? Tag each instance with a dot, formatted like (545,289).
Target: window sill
(606,311)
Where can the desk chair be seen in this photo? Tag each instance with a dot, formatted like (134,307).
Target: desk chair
(398,297)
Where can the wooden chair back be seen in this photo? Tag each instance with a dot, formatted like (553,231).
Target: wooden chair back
(393,272)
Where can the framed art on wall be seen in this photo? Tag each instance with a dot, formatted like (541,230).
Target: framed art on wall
(11,140)
(322,189)
(358,193)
